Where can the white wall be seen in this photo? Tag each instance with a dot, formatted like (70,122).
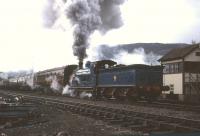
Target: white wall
(192,56)
(175,80)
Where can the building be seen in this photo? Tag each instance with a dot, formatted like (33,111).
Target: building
(182,72)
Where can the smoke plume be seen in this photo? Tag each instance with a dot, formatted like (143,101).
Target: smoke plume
(89,15)
(50,13)
(124,56)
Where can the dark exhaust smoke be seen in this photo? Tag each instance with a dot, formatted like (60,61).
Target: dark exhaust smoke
(89,15)
(80,64)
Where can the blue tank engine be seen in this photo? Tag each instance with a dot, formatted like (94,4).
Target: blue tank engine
(107,79)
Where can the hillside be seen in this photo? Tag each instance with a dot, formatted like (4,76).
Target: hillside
(107,52)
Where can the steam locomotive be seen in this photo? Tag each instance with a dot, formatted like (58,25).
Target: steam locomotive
(107,79)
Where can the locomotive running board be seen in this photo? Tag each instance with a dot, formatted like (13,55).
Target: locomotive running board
(81,87)
(110,86)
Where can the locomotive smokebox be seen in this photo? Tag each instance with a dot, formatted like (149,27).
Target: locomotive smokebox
(80,64)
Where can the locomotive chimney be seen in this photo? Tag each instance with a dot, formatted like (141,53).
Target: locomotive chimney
(80,64)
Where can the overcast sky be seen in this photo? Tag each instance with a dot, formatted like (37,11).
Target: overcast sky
(26,44)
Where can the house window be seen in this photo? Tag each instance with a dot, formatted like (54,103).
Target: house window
(172,68)
(177,67)
(171,89)
(166,69)
(171,86)
(197,53)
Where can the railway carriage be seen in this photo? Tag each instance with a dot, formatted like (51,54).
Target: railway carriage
(53,80)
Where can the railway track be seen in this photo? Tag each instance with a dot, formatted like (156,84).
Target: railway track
(178,107)
(137,121)
(156,104)
(160,105)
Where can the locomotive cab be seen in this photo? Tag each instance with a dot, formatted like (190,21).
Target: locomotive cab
(104,64)
(86,77)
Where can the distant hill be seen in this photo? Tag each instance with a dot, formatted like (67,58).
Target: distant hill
(106,52)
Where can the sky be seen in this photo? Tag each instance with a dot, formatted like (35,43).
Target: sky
(26,43)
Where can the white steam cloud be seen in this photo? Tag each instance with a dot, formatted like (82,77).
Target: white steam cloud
(30,80)
(68,91)
(85,95)
(137,56)
(54,83)
(50,13)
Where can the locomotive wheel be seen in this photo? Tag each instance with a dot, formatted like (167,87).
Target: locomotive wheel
(95,94)
(98,93)
(76,93)
(120,94)
(108,93)
(151,99)
(132,94)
